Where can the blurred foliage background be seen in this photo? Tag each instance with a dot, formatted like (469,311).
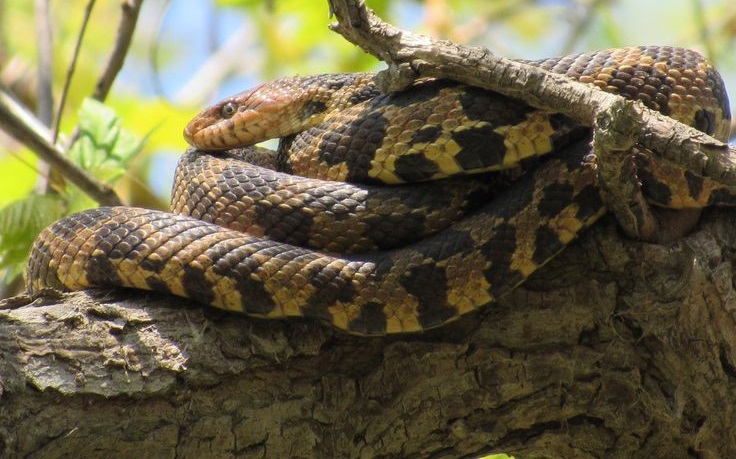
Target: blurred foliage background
(187,54)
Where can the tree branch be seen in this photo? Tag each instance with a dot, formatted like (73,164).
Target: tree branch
(44,71)
(18,122)
(26,128)
(126,28)
(411,56)
(71,68)
(615,349)
(130,10)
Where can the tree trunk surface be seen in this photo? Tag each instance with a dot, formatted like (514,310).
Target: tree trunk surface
(615,349)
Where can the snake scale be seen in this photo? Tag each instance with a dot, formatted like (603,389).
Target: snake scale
(363,257)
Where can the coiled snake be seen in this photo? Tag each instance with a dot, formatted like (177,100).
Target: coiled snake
(373,260)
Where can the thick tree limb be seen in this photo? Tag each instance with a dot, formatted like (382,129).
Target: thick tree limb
(617,349)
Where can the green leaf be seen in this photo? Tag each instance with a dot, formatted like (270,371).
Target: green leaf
(20,222)
(99,123)
(104,147)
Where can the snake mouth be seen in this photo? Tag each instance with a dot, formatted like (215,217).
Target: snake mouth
(204,137)
(202,131)
(189,133)
(280,108)
(248,128)
(209,131)
(250,117)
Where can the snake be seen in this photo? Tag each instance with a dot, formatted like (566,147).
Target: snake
(381,213)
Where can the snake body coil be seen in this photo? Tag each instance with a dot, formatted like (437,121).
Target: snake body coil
(342,127)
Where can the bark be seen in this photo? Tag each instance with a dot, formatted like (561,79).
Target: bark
(616,349)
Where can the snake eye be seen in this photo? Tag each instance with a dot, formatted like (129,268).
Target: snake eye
(228,110)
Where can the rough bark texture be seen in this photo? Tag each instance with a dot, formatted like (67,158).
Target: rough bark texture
(616,349)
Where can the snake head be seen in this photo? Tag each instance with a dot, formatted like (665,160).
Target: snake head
(277,109)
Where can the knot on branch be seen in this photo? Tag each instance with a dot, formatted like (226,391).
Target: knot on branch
(617,127)
(397,77)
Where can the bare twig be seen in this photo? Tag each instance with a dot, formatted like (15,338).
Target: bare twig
(45,102)
(45,62)
(70,70)
(128,21)
(26,128)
